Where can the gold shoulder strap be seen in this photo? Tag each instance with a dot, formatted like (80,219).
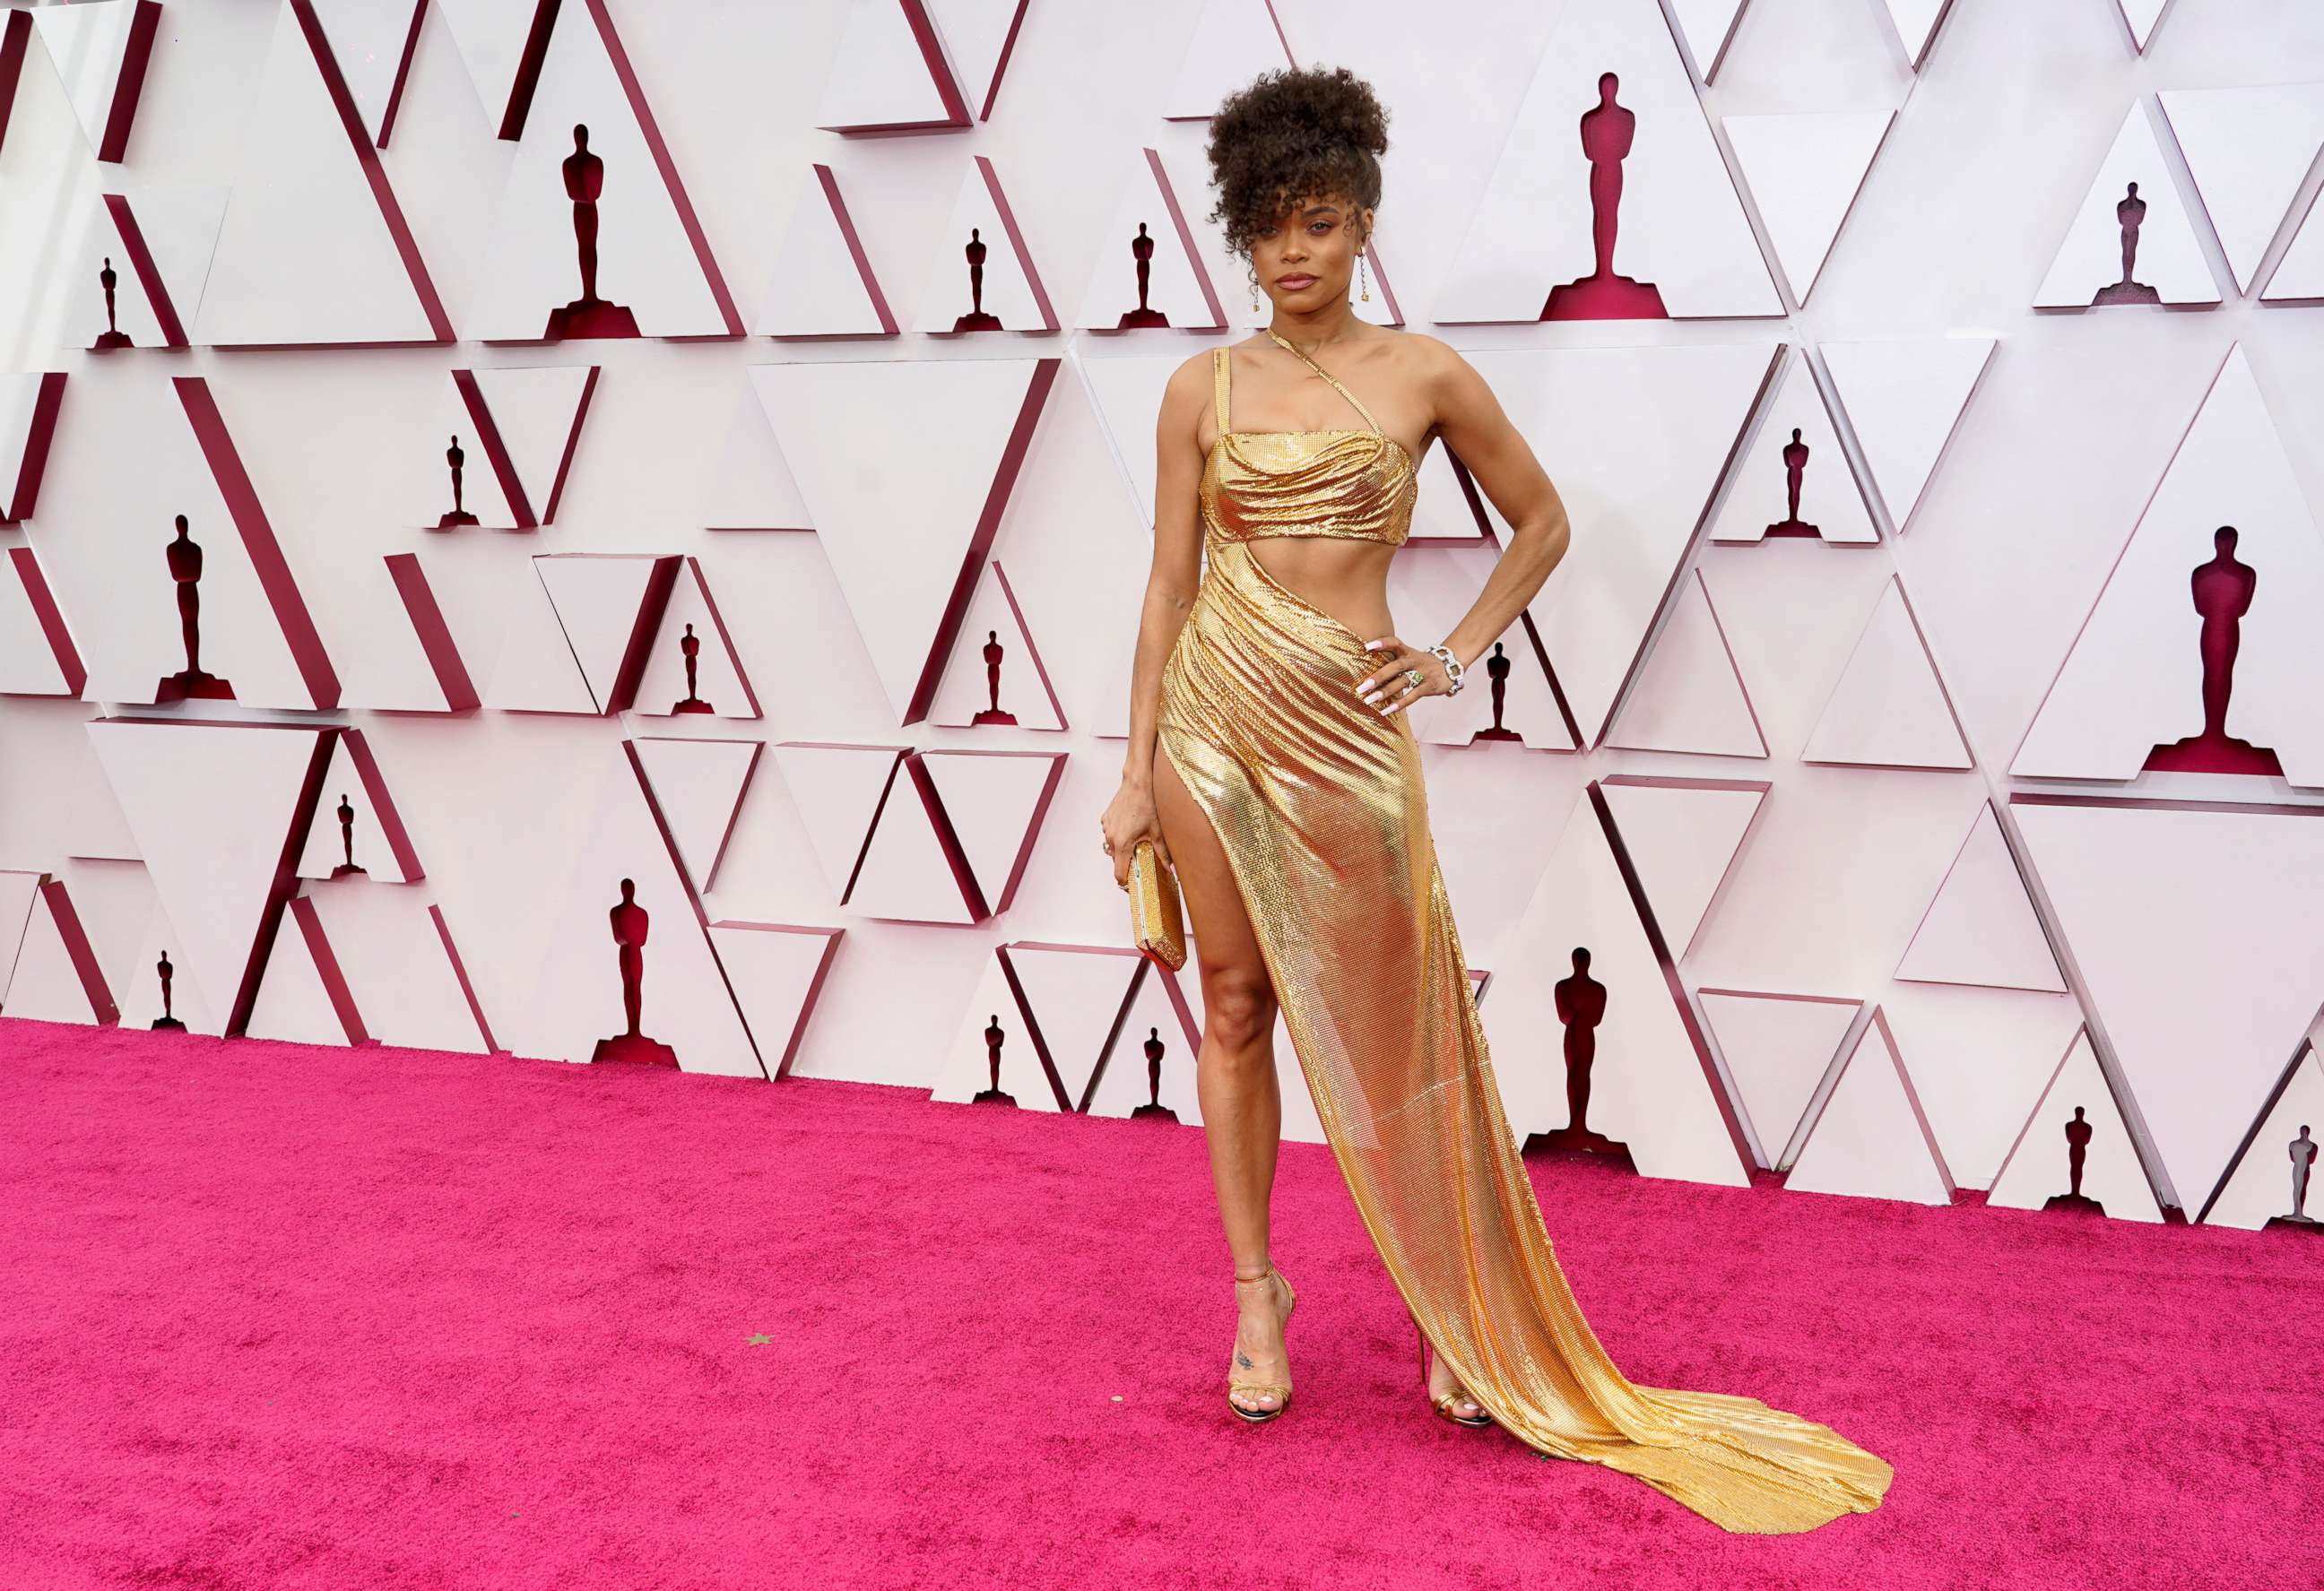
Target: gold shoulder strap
(1328,376)
(1219,386)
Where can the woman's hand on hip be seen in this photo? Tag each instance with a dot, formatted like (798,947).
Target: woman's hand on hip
(1390,687)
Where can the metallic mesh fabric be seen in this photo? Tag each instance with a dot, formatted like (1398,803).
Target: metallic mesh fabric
(1319,803)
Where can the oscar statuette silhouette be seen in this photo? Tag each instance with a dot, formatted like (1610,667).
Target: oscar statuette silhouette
(2077,1146)
(2303,1159)
(629,925)
(2222,587)
(346,816)
(1154,1109)
(185,556)
(992,651)
(587,316)
(976,319)
(1795,469)
(167,1022)
(1608,130)
(1141,252)
(1497,673)
(993,1035)
(112,336)
(689,647)
(1581,1003)
(456,457)
(2129,214)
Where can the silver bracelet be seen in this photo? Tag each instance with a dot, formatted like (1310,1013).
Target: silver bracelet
(1451,666)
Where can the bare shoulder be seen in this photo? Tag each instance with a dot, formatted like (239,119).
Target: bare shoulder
(1430,358)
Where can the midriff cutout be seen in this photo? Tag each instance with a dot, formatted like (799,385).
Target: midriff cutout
(1337,569)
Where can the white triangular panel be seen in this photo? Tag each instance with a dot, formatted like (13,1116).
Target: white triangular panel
(306,254)
(1682,836)
(1707,26)
(837,791)
(1681,227)
(212,807)
(1177,284)
(91,46)
(967,688)
(1981,928)
(1648,1089)
(1889,709)
(1232,42)
(1635,438)
(2196,935)
(882,77)
(2168,258)
(2039,1167)
(1804,170)
(776,971)
(698,786)
(1758,500)
(1978,1059)
(1077,993)
(685,999)
(2248,151)
(994,801)
(1124,1087)
(599,598)
(47,985)
(2139,16)
(751,488)
(966,1069)
(822,284)
(1688,696)
(1010,286)
(1904,397)
(718,676)
(652,258)
(536,671)
(2133,680)
(294,1000)
(898,540)
(371,41)
(2260,1186)
(1916,24)
(538,412)
(1869,1139)
(1777,1048)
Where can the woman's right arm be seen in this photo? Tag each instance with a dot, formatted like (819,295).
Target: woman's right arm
(1170,587)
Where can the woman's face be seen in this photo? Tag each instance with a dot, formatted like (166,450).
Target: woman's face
(1307,256)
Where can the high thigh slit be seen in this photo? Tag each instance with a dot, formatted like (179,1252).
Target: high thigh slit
(1319,803)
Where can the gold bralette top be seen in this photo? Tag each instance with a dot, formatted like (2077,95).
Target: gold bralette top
(1355,484)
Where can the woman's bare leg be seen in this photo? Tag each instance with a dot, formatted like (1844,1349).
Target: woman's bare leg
(1234,1076)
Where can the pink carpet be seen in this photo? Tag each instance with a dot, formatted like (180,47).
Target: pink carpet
(277,1316)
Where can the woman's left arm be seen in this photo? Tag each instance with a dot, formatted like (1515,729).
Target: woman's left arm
(1500,460)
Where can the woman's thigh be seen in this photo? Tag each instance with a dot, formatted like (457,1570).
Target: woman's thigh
(1224,944)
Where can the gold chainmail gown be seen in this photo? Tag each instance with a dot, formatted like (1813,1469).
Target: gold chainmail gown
(1319,803)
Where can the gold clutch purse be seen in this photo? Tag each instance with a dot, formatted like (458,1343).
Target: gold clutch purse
(1156,925)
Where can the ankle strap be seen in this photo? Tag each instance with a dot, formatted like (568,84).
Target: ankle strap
(1262,1276)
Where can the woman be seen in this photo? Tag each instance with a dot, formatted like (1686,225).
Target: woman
(1289,800)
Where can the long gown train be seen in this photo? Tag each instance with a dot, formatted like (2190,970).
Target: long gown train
(1319,803)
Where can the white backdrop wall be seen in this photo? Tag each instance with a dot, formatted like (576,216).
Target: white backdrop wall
(1910,935)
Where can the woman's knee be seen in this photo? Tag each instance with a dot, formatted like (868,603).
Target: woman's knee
(1239,1011)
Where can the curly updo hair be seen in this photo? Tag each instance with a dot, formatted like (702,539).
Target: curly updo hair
(1292,135)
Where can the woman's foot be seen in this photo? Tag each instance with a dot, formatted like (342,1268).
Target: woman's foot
(1258,1379)
(1441,1381)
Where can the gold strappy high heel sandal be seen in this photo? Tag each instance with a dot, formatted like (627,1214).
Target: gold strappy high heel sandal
(1282,1390)
(1451,1400)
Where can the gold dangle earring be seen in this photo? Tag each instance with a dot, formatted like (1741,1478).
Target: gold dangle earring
(1254,286)
(1362,279)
